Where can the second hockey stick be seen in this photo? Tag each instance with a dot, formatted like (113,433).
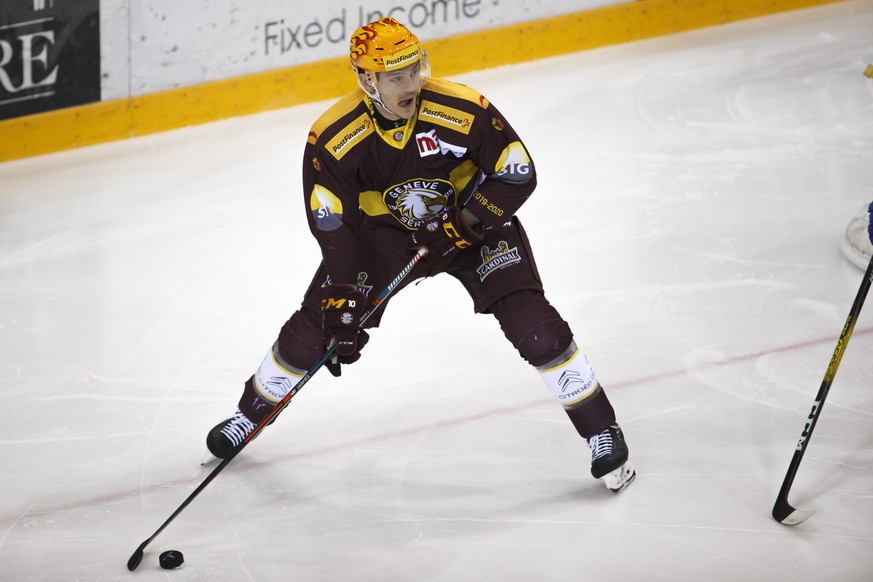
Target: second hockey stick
(137,555)
(783,512)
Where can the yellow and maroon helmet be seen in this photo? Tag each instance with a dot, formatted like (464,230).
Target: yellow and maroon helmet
(384,45)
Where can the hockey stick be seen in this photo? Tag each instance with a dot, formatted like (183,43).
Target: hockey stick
(136,558)
(783,512)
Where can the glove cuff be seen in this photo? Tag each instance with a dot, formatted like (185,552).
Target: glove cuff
(468,231)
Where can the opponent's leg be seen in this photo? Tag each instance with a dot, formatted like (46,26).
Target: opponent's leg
(545,340)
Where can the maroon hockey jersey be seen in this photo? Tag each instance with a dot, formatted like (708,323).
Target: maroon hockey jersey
(457,150)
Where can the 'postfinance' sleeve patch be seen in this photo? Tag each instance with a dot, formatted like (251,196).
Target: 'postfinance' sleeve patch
(326,208)
(349,136)
(446,116)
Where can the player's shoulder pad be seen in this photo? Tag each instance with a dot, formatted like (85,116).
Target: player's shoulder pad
(451,105)
(343,126)
(457,91)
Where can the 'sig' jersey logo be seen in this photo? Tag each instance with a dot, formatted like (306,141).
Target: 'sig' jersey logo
(416,202)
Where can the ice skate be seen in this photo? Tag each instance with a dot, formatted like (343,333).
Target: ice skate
(227,436)
(609,459)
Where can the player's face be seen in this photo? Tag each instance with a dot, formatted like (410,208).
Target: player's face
(399,90)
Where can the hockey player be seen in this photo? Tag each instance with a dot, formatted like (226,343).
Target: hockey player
(410,161)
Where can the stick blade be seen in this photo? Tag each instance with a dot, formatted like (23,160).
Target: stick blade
(134,560)
(136,557)
(797,516)
(787,515)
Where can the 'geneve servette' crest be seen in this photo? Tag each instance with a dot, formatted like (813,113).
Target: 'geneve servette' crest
(418,201)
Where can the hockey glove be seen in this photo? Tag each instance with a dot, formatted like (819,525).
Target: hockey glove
(341,309)
(443,235)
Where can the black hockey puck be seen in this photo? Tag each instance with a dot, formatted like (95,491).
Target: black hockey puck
(171,559)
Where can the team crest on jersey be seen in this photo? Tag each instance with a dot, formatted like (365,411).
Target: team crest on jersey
(360,284)
(416,202)
(499,258)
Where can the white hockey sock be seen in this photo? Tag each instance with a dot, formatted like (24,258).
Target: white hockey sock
(572,379)
(275,378)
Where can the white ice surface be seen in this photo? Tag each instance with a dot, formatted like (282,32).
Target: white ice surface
(693,192)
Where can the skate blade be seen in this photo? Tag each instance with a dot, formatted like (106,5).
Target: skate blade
(618,480)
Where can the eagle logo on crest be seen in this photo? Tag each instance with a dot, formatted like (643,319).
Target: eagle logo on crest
(418,201)
(421,204)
